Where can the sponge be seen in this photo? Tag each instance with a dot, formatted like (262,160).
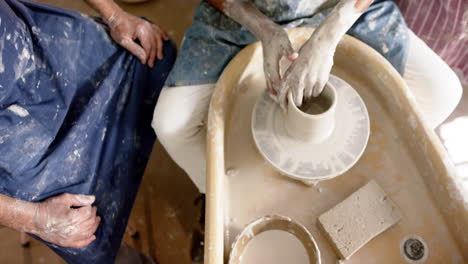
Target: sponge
(359,218)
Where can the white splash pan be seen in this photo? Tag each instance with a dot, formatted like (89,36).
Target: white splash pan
(404,156)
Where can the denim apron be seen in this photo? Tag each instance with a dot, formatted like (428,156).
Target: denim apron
(75,116)
(214,39)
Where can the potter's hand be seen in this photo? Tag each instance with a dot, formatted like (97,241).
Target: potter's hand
(56,222)
(126,29)
(276,44)
(308,74)
(275,41)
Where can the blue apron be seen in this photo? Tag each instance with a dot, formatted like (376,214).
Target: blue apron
(75,116)
(213,39)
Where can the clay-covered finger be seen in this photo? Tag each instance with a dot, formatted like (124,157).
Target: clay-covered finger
(82,214)
(159,45)
(273,97)
(95,226)
(283,101)
(309,88)
(135,49)
(308,93)
(163,33)
(81,243)
(296,85)
(89,223)
(81,200)
(79,215)
(153,54)
(145,38)
(270,88)
(271,66)
(288,51)
(318,88)
(293,56)
(298,95)
(283,95)
(87,228)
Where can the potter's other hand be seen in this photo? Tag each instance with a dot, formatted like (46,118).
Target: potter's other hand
(276,44)
(126,29)
(308,74)
(55,220)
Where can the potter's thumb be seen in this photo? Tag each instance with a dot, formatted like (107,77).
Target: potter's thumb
(82,200)
(293,56)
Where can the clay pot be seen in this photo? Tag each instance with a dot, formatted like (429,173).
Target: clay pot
(275,222)
(314,121)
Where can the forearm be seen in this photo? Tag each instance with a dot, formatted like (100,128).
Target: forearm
(105,8)
(342,17)
(16,214)
(246,14)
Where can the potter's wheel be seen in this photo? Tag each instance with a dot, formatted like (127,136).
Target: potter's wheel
(312,162)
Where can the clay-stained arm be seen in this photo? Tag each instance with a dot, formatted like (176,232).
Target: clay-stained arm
(67,220)
(16,214)
(308,74)
(275,40)
(342,17)
(105,8)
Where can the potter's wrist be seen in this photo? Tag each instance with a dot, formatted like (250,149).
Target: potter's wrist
(270,33)
(30,217)
(105,8)
(318,46)
(326,37)
(111,13)
(23,216)
(246,14)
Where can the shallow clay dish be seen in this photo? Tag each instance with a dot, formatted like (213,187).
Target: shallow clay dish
(275,222)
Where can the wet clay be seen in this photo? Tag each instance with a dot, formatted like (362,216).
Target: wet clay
(316,105)
(275,247)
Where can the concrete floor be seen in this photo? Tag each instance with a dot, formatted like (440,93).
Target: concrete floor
(164,213)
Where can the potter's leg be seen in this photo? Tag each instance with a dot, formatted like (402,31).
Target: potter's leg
(434,84)
(179,124)
(183,104)
(383,28)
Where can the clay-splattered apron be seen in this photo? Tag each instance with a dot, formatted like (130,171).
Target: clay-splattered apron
(213,39)
(75,115)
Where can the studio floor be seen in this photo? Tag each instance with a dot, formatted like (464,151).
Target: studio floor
(164,214)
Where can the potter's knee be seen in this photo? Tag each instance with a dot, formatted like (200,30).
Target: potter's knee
(443,96)
(162,125)
(169,119)
(447,91)
(456,89)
